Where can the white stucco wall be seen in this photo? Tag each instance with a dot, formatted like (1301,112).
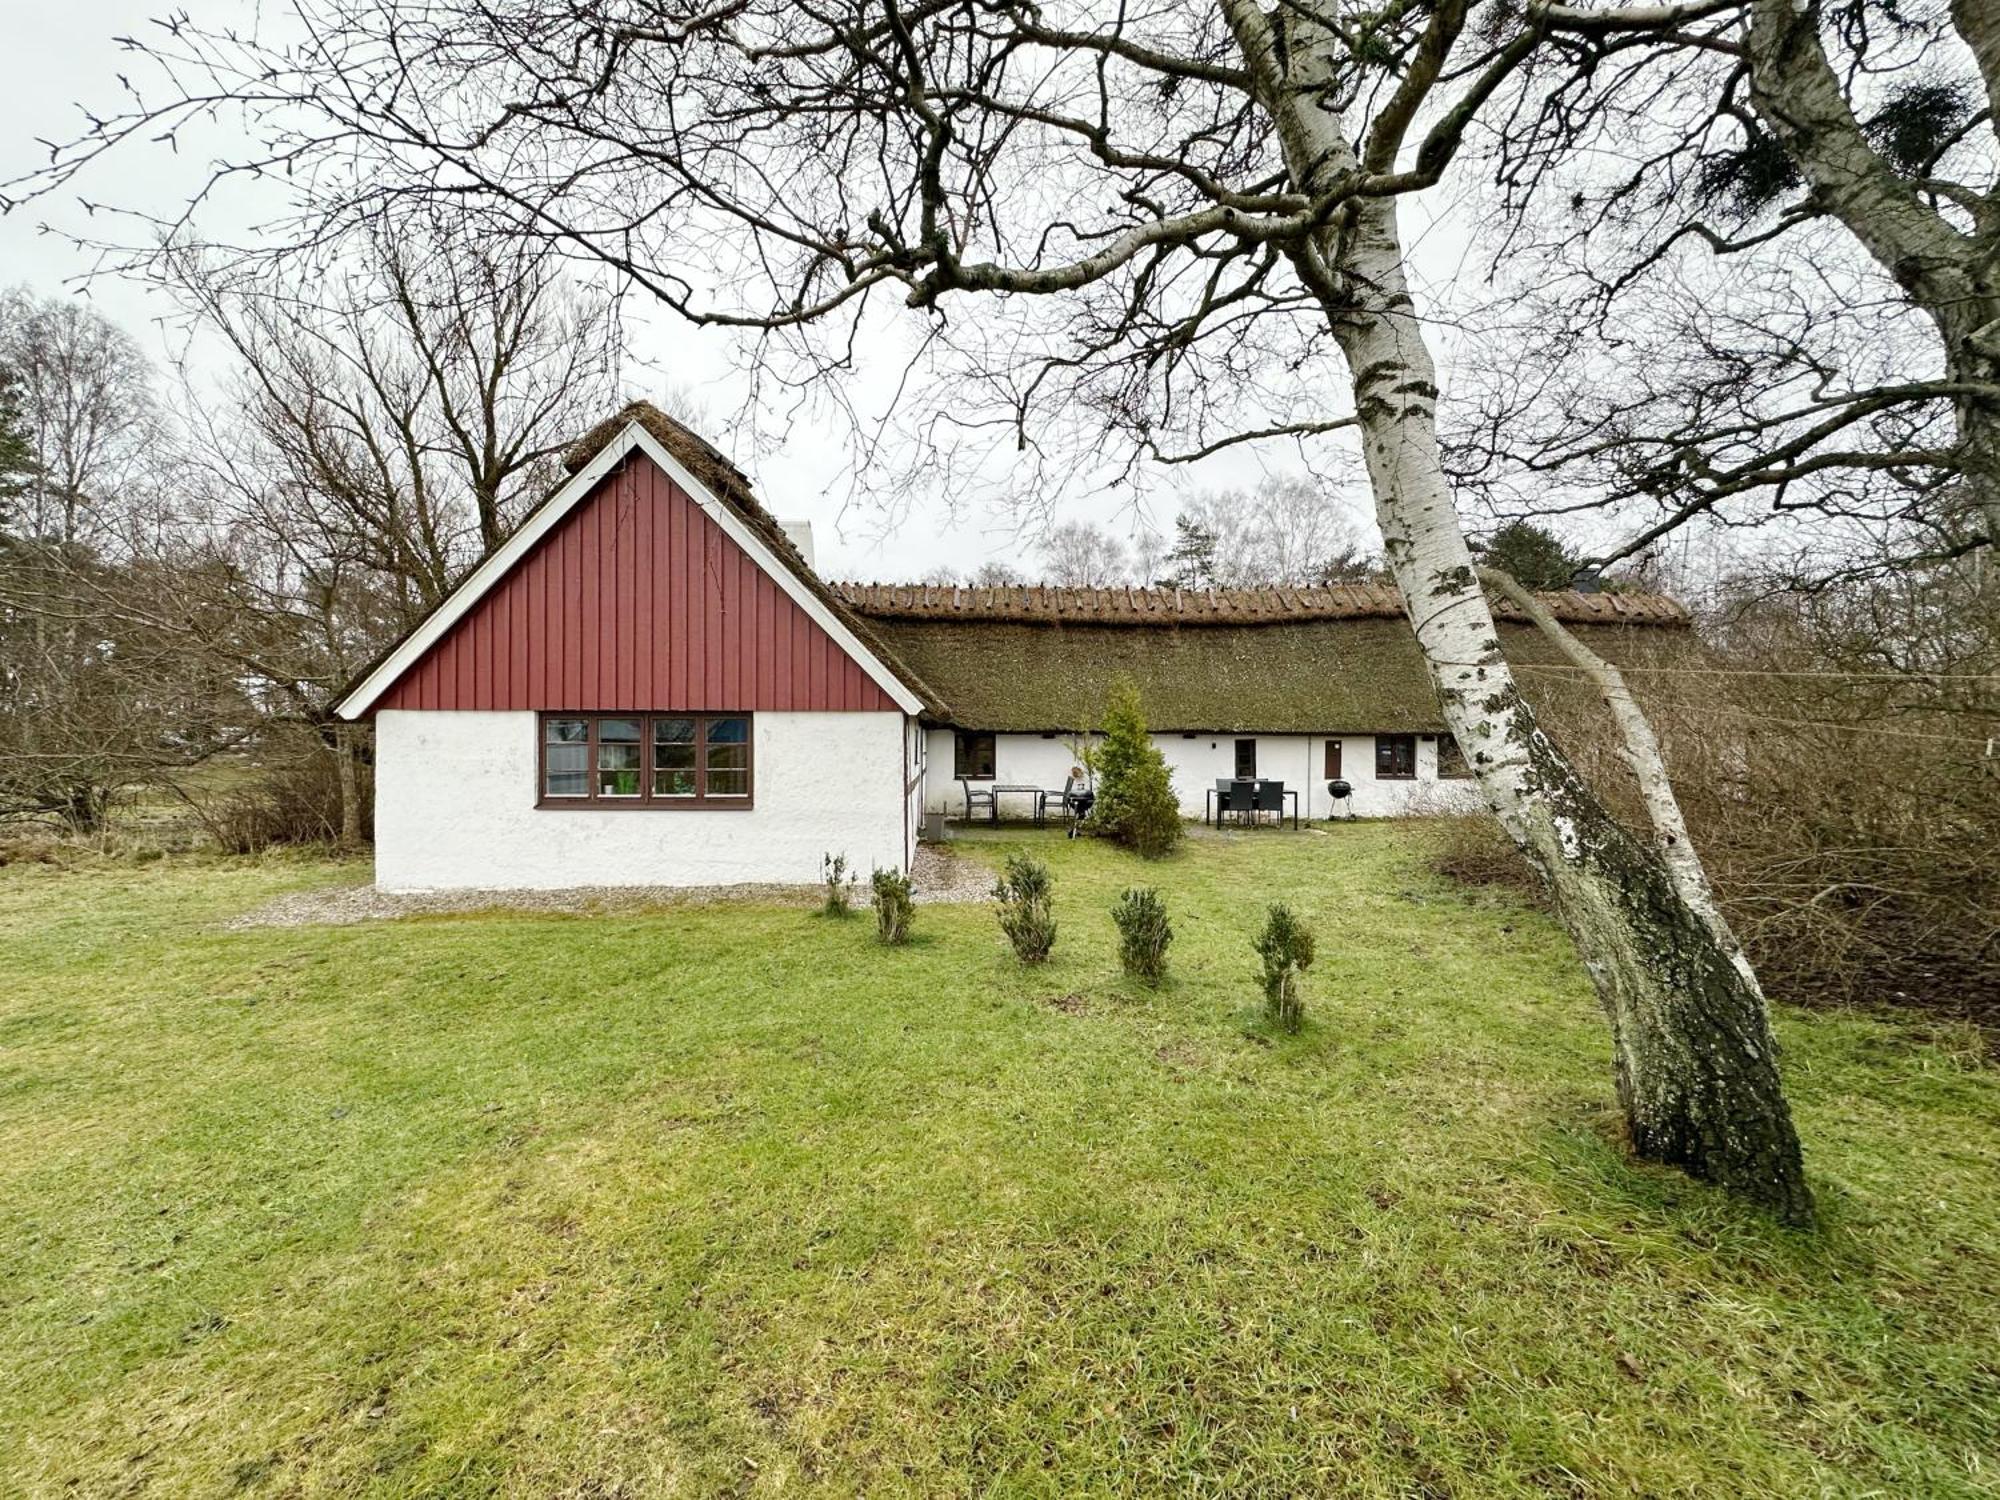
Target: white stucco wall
(1298,760)
(455,809)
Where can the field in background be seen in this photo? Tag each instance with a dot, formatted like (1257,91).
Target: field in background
(732,1200)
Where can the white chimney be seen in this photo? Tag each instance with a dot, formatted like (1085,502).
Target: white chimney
(800,534)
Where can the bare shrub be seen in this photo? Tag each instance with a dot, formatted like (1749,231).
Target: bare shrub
(839,885)
(293,797)
(1840,795)
(1474,850)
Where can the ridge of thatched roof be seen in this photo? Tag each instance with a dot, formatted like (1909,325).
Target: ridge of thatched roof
(1038,603)
(731,486)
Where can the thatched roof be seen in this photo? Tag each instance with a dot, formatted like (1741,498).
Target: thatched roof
(1035,660)
(1048,604)
(729,485)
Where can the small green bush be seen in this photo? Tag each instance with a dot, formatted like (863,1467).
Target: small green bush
(1286,947)
(839,886)
(894,910)
(1026,913)
(1136,805)
(1143,933)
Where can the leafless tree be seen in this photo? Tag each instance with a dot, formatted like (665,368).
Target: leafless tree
(1785,302)
(1184,220)
(84,395)
(1288,529)
(408,412)
(1076,554)
(994,575)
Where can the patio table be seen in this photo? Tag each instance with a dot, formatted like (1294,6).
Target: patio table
(1212,813)
(1040,794)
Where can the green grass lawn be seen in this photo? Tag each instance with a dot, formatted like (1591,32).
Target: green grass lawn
(731,1200)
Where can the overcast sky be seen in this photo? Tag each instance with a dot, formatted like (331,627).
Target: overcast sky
(65,54)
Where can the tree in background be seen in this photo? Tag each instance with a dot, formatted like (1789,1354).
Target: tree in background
(87,408)
(1136,805)
(1078,555)
(1290,530)
(1533,556)
(407,414)
(1784,307)
(17,454)
(991,574)
(1192,555)
(96,692)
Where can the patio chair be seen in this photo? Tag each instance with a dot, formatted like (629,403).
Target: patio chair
(1065,800)
(977,801)
(1234,797)
(1270,798)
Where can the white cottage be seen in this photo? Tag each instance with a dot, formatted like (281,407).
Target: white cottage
(1301,685)
(649,684)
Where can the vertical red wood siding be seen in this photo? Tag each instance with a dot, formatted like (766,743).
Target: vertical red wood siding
(636,600)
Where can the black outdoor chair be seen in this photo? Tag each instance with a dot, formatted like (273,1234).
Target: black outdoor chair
(975,801)
(1234,797)
(1270,798)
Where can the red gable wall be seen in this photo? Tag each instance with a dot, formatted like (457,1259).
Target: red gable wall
(636,600)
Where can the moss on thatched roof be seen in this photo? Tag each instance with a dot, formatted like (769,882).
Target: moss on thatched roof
(1353,674)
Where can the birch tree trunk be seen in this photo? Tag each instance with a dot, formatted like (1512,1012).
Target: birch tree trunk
(1694,1058)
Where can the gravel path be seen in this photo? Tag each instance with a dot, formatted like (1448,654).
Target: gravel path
(939,876)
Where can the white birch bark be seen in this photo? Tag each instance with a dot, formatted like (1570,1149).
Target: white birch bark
(1691,1041)
(1640,750)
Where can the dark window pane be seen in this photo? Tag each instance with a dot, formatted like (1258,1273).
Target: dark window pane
(1246,759)
(728,783)
(729,731)
(621,730)
(973,756)
(569,784)
(1452,764)
(673,732)
(1395,756)
(566,731)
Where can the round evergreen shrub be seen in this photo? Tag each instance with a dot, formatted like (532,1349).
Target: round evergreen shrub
(1027,914)
(1143,933)
(1286,946)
